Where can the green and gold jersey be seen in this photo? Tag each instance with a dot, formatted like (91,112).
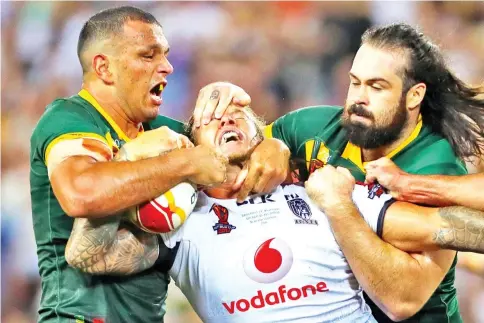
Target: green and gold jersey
(69,295)
(315,136)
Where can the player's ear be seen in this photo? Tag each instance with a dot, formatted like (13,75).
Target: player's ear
(415,95)
(100,65)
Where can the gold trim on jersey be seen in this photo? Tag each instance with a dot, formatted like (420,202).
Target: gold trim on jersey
(353,153)
(89,98)
(268,130)
(309,146)
(70,136)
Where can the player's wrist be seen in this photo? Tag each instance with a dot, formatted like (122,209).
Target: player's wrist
(406,188)
(337,205)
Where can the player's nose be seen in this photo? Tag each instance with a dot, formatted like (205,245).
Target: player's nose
(227,119)
(165,67)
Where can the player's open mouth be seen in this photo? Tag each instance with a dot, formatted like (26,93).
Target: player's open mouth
(156,91)
(229,135)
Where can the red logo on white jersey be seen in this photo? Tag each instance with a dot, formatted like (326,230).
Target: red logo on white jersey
(268,262)
(274,298)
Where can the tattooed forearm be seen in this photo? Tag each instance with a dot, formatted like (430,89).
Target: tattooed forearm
(133,251)
(461,229)
(99,247)
(89,242)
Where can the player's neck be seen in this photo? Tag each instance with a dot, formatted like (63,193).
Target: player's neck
(225,191)
(368,155)
(112,107)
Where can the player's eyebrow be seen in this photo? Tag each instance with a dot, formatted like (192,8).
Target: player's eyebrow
(165,50)
(371,80)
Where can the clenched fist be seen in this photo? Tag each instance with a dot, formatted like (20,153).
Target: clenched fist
(153,143)
(210,166)
(329,186)
(387,174)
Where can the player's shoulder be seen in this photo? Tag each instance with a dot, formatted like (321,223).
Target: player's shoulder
(433,154)
(321,113)
(64,117)
(161,121)
(62,110)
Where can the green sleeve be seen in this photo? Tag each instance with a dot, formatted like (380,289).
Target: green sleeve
(173,124)
(64,120)
(297,127)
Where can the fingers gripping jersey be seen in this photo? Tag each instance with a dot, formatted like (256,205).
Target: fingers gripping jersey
(272,258)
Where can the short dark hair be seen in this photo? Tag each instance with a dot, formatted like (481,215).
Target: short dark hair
(450,107)
(108,23)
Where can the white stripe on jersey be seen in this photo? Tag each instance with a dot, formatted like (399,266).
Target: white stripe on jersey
(272,258)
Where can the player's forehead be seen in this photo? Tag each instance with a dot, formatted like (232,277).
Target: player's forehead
(374,63)
(141,34)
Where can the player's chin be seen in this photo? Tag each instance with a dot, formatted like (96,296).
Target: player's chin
(151,112)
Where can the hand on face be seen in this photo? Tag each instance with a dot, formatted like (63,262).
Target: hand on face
(214,99)
(267,168)
(328,187)
(210,166)
(238,136)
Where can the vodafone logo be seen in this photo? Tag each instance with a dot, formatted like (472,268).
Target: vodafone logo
(269,261)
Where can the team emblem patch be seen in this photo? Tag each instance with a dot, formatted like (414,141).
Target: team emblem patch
(302,210)
(223,225)
(374,189)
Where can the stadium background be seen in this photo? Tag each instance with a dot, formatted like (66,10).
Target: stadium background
(285,54)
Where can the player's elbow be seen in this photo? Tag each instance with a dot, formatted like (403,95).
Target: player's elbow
(78,200)
(400,311)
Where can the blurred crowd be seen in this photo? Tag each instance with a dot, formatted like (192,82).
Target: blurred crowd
(284,54)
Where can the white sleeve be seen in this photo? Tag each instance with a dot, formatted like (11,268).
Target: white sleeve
(372,201)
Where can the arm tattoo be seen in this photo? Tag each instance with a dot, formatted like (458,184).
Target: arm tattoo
(461,229)
(97,246)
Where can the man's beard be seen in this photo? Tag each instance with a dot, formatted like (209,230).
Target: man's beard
(371,137)
(239,158)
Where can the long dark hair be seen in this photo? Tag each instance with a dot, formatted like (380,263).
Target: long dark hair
(450,107)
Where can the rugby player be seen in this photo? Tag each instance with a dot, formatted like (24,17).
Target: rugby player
(272,257)
(123,54)
(403,103)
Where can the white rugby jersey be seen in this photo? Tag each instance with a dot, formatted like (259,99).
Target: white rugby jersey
(272,258)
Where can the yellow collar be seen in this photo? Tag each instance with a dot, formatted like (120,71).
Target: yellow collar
(89,98)
(353,153)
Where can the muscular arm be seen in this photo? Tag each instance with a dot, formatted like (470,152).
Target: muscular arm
(444,190)
(99,246)
(378,265)
(415,228)
(87,188)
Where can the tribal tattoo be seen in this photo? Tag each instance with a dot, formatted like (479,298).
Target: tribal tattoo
(461,229)
(99,246)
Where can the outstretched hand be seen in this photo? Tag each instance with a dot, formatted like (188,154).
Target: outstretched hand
(215,98)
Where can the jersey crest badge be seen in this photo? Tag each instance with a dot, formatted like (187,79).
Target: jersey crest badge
(374,189)
(302,210)
(223,225)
